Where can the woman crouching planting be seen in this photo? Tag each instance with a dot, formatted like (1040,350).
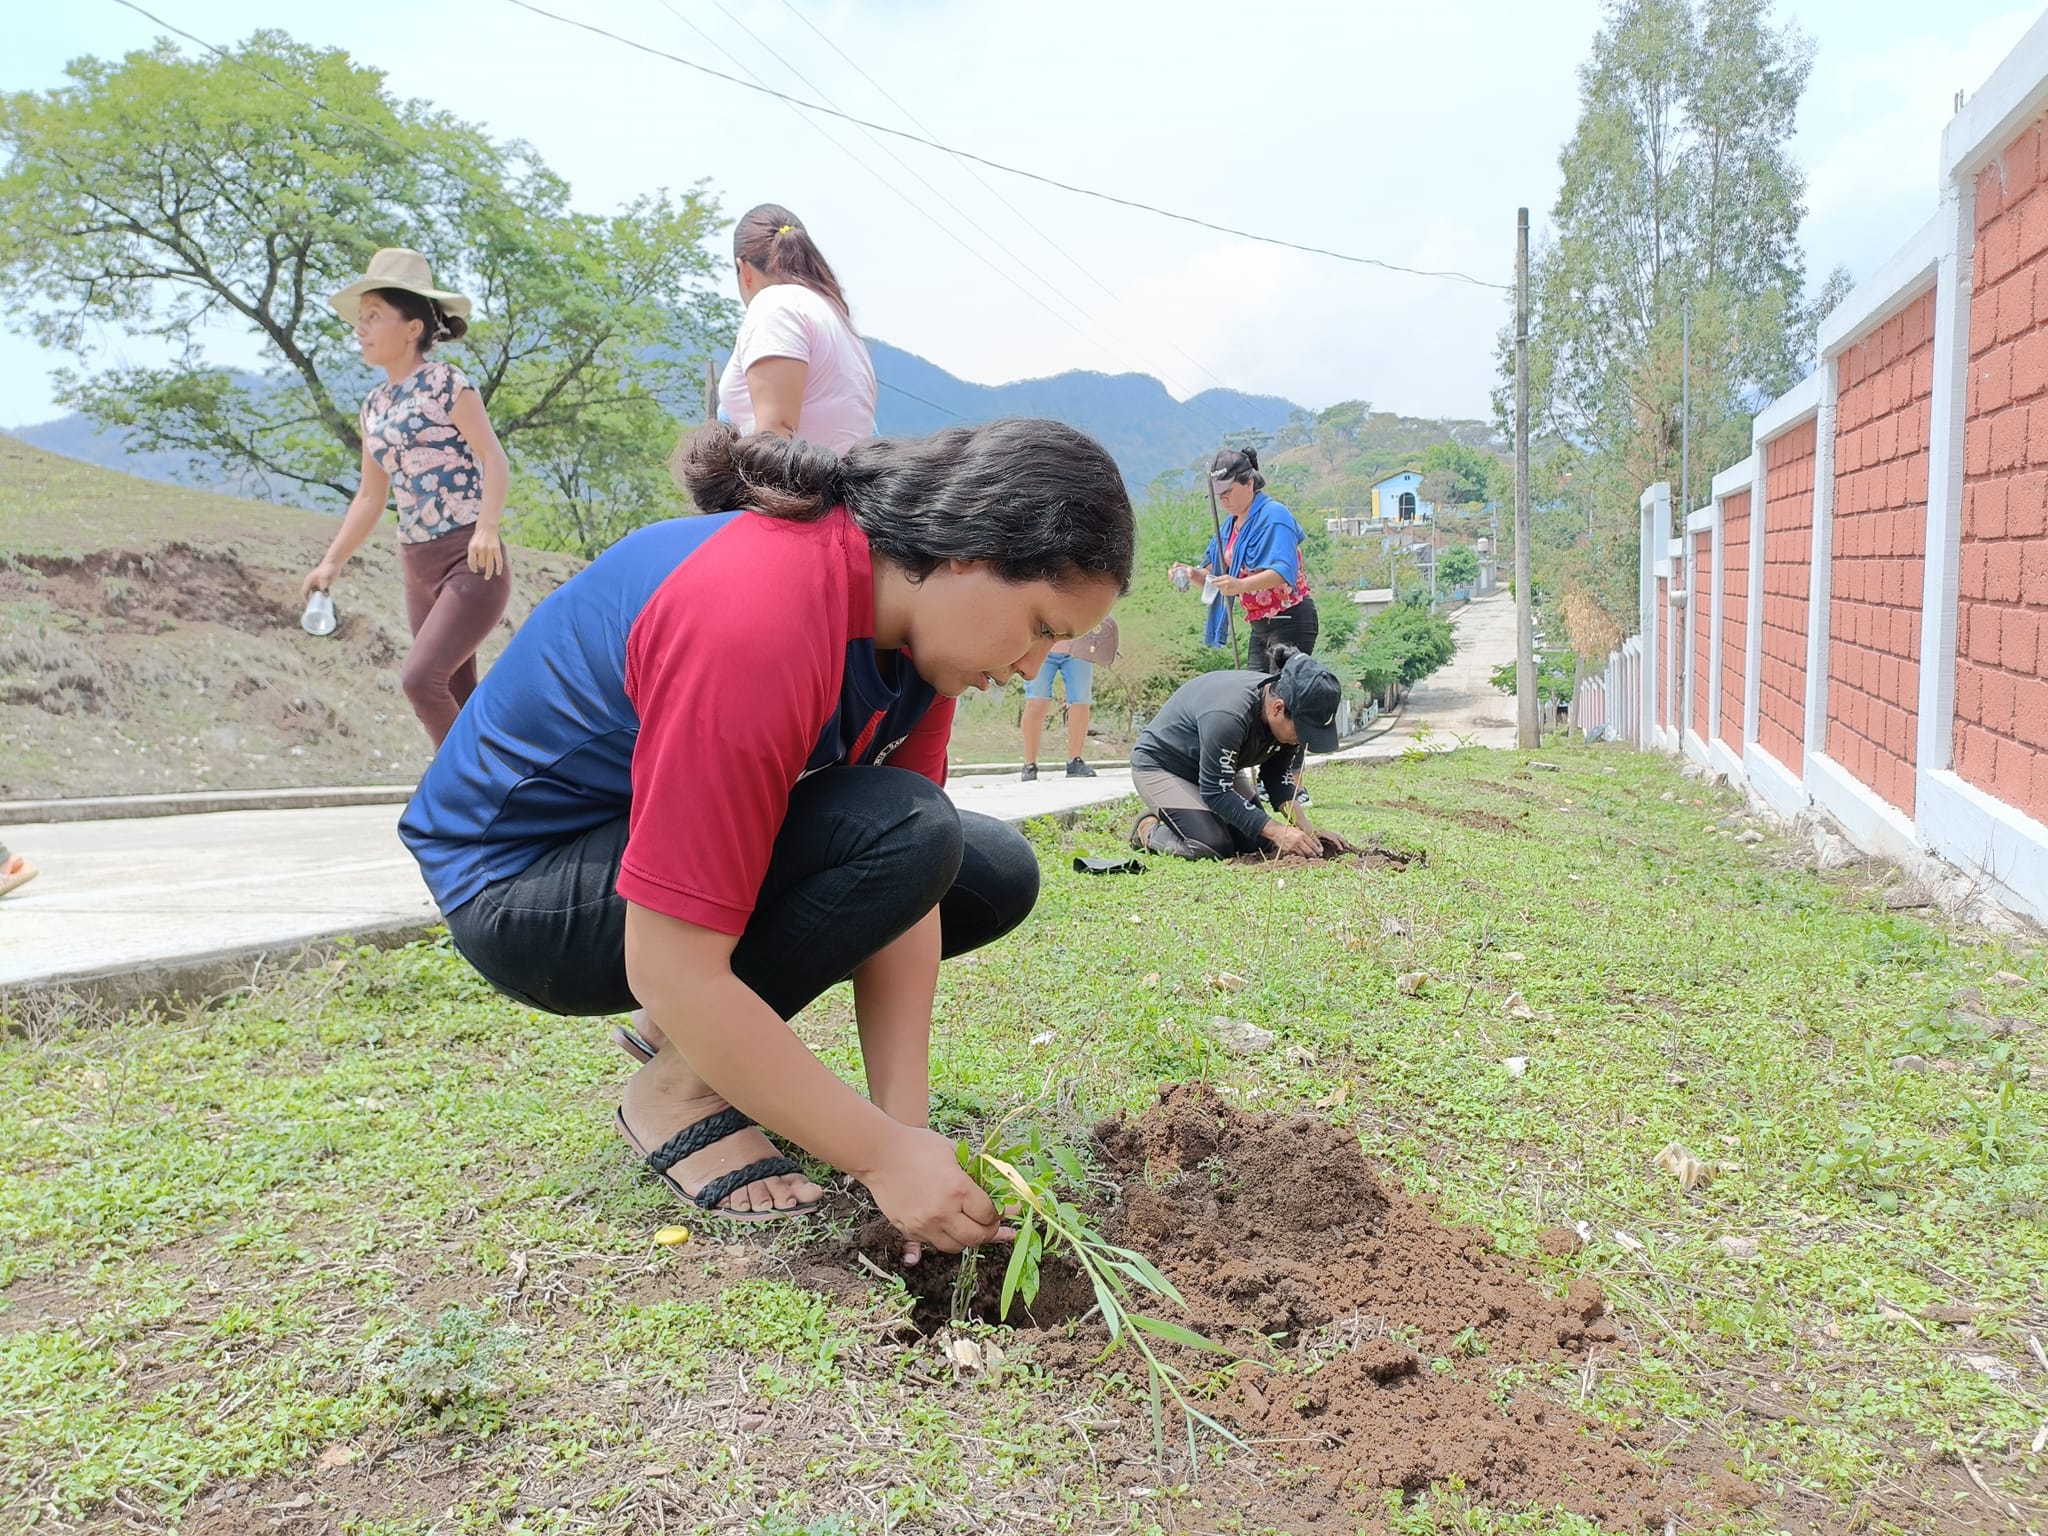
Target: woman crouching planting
(704,782)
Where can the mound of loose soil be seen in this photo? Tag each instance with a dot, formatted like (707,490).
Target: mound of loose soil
(1277,1226)
(1370,1333)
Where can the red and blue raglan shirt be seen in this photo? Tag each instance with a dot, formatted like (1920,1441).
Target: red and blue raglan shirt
(688,678)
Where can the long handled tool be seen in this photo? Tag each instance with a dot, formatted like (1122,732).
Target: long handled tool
(1229,618)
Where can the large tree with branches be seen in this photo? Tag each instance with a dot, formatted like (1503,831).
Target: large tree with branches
(1679,192)
(170,197)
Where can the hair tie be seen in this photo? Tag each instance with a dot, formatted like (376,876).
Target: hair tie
(785,229)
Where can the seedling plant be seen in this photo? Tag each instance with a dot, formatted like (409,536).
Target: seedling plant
(1020,1176)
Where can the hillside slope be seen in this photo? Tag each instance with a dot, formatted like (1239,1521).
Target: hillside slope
(149,640)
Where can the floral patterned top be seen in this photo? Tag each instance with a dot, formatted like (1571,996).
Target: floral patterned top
(409,430)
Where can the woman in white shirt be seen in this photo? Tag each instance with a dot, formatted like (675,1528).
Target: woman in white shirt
(798,368)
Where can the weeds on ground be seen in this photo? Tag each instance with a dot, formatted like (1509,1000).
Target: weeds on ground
(218,1225)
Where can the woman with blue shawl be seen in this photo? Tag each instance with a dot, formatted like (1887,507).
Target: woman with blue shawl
(1256,559)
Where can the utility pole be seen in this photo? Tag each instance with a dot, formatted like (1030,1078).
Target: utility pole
(1528,734)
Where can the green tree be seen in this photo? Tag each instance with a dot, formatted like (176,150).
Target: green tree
(1457,567)
(1401,645)
(165,197)
(1466,472)
(1678,187)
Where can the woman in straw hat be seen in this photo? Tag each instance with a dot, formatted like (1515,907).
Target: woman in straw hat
(428,443)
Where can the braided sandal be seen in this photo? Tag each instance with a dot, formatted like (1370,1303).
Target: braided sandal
(709,1131)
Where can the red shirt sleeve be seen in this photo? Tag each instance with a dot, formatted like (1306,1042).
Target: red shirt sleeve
(725,729)
(924,749)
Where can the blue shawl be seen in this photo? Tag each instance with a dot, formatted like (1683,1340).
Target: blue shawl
(1269,540)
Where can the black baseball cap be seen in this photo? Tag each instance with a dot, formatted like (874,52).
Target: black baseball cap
(1311,693)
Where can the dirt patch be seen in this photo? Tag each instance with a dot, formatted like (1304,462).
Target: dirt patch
(1374,855)
(1483,821)
(1370,1334)
(127,590)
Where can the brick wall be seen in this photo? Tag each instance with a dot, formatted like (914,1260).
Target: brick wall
(1884,389)
(1788,554)
(1734,614)
(2001,718)
(1701,606)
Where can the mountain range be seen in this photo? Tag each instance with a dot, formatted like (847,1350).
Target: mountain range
(1146,430)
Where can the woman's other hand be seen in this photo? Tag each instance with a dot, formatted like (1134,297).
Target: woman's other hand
(486,553)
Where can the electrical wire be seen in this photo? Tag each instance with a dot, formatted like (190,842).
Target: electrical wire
(1203,418)
(988,186)
(997,165)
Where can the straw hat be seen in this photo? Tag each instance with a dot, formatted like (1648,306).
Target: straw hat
(397,268)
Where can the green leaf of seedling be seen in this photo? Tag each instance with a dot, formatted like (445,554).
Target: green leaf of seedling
(1160,1328)
(1147,1274)
(1070,1165)
(965,1155)
(1020,1261)
(1112,1313)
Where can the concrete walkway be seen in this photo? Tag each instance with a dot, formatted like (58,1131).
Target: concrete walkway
(1460,700)
(157,898)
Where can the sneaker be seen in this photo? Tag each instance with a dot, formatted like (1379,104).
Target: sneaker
(1079,769)
(1030,773)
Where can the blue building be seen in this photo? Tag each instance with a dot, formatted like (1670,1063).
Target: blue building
(1398,499)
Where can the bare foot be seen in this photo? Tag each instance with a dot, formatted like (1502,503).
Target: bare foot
(664,1096)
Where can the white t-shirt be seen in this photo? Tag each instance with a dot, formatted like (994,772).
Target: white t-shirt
(790,320)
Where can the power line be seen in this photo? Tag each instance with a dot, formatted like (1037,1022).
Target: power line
(926,214)
(920,399)
(997,165)
(1194,414)
(1072,260)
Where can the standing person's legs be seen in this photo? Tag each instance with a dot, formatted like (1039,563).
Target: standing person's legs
(862,855)
(1080,676)
(451,609)
(1181,822)
(1037,705)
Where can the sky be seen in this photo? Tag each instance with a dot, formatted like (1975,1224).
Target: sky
(1405,133)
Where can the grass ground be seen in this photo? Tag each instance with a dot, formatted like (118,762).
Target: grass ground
(359,1251)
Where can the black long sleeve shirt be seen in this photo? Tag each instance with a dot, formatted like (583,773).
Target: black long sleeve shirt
(1212,727)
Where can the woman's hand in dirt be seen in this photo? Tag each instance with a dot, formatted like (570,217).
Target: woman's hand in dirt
(922,1188)
(1334,844)
(486,553)
(320,578)
(1286,839)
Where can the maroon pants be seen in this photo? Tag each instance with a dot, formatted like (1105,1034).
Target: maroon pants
(451,609)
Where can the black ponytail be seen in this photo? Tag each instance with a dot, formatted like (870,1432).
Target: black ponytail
(1035,500)
(780,476)
(436,324)
(1278,654)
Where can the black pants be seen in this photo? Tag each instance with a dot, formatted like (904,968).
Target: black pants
(1297,627)
(862,855)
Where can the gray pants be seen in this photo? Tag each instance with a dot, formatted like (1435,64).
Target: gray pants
(1186,828)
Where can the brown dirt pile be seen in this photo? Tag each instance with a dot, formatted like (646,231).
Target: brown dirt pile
(1277,1226)
(1370,1333)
